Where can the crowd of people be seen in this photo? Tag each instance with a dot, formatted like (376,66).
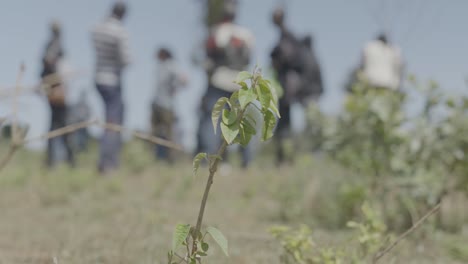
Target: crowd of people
(228,49)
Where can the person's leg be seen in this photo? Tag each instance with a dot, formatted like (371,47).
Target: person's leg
(168,126)
(67,138)
(111,140)
(281,130)
(51,142)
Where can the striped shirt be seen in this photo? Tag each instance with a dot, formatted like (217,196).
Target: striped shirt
(111,47)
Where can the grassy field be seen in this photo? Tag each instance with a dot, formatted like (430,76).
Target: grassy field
(75,216)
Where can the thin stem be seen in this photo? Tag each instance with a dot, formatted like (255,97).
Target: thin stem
(209,182)
(7,158)
(382,253)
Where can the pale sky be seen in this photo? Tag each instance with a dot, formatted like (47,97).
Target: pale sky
(430,33)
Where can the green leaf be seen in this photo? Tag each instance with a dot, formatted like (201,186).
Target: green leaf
(268,126)
(248,127)
(196,162)
(230,132)
(250,118)
(242,76)
(234,99)
(181,233)
(219,238)
(216,112)
(229,117)
(246,97)
(265,97)
(205,246)
(274,109)
(244,137)
(267,84)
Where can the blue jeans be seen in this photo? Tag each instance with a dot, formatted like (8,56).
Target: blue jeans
(111,141)
(208,141)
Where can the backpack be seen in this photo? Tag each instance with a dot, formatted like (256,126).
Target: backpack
(309,70)
(229,57)
(296,60)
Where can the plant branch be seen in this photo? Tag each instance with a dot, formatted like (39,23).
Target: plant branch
(8,156)
(209,182)
(152,139)
(382,253)
(62,131)
(74,127)
(16,141)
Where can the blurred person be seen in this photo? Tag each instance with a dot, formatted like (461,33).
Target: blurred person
(112,56)
(163,118)
(228,50)
(80,112)
(298,72)
(381,64)
(54,87)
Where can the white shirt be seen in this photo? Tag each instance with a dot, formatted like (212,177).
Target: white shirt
(169,80)
(382,65)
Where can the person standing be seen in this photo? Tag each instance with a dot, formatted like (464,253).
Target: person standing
(298,72)
(228,50)
(163,118)
(112,56)
(54,87)
(381,64)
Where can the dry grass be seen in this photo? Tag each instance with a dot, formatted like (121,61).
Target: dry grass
(66,216)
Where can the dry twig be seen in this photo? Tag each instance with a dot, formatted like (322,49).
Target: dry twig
(385,251)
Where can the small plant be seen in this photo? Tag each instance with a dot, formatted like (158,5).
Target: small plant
(237,126)
(299,248)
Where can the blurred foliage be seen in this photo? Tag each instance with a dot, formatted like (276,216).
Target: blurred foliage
(369,236)
(411,160)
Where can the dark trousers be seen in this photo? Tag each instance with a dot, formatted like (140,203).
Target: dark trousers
(282,129)
(111,141)
(58,120)
(162,122)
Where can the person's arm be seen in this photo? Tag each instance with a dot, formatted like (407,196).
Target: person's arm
(124,50)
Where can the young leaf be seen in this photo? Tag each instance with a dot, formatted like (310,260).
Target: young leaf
(234,99)
(269,86)
(196,162)
(248,127)
(265,97)
(219,238)
(217,108)
(229,117)
(180,234)
(274,108)
(230,132)
(205,246)
(246,97)
(244,137)
(242,76)
(268,126)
